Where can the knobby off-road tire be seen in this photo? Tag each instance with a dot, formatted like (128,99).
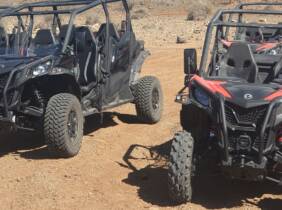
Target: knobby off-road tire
(63,125)
(148,99)
(180,168)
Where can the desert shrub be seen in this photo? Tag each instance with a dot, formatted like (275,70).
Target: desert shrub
(199,10)
(139,13)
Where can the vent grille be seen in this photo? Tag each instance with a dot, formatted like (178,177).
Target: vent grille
(236,115)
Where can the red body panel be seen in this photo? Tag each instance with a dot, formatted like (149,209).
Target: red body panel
(267,46)
(274,95)
(261,47)
(213,86)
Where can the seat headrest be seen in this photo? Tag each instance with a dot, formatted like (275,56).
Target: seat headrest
(112,30)
(83,38)
(3,40)
(239,62)
(2,31)
(63,33)
(239,55)
(3,36)
(44,37)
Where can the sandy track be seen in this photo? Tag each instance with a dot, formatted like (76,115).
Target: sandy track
(121,164)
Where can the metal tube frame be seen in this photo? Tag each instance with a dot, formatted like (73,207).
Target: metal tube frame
(242,5)
(85,5)
(217,21)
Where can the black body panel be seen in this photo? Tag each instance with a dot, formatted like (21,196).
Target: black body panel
(99,68)
(116,86)
(249,95)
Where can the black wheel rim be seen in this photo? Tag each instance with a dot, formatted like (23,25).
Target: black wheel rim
(72,125)
(155,99)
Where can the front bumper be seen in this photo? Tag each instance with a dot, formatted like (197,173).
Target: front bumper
(265,141)
(8,96)
(10,88)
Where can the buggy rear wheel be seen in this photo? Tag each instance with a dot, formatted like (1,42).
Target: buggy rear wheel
(63,125)
(148,99)
(180,167)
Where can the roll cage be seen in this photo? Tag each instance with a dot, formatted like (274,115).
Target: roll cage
(223,19)
(56,8)
(252,4)
(28,9)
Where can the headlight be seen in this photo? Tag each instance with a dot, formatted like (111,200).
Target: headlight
(40,69)
(201,96)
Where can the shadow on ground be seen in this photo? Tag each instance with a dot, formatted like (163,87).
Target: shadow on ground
(270,204)
(106,120)
(14,142)
(151,180)
(212,192)
(31,146)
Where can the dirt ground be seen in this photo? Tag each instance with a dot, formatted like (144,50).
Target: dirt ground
(122,163)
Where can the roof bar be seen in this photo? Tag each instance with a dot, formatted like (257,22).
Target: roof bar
(258,12)
(86,4)
(250,25)
(39,13)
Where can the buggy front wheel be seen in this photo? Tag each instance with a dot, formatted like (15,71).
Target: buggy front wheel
(180,168)
(63,125)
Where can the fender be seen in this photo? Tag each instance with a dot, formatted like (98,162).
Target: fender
(137,65)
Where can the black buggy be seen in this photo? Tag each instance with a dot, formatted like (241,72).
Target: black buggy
(232,105)
(52,77)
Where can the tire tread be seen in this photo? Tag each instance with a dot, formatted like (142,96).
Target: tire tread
(180,167)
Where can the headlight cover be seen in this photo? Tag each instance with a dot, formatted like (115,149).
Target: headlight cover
(40,69)
(201,96)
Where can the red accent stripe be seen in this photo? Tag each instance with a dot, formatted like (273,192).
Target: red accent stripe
(267,46)
(213,86)
(262,46)
(274,95)
(226,43)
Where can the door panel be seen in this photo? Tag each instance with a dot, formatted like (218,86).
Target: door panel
(117,84)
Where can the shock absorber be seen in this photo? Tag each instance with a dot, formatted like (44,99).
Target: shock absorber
(39,98)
